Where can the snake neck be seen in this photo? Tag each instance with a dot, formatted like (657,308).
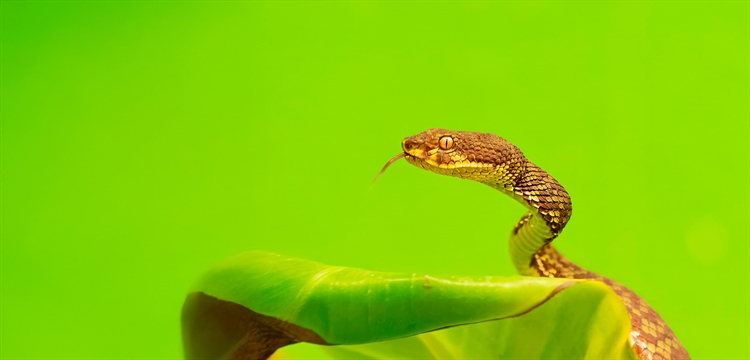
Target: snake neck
(529,236)
(549,211)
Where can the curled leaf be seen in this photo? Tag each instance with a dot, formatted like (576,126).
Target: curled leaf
(257,302)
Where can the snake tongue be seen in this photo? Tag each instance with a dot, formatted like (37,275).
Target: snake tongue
(391,161)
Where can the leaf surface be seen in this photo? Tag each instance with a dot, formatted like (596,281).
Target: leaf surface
(255,303)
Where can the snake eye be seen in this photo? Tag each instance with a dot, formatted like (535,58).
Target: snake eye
(446,142)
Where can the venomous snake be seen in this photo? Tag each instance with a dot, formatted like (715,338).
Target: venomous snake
(492,160)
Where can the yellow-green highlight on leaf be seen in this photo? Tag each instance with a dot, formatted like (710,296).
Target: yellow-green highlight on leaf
(377,315)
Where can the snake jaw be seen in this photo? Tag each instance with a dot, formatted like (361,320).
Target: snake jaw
(416,161)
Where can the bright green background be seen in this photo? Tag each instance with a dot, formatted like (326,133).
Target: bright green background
(144,142)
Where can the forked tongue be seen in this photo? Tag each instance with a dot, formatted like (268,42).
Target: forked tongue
(391,161)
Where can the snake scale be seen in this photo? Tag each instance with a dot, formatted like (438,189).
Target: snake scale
(492,160)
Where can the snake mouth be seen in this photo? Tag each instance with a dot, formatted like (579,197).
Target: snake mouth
(415,160)
(408,156)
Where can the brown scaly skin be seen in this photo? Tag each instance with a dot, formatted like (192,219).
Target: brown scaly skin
(493,161)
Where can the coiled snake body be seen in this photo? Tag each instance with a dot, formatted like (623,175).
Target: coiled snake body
(491,160)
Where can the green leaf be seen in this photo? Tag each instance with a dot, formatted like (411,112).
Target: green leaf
(252,304)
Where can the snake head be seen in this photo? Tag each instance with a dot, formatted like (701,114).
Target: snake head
(469,155)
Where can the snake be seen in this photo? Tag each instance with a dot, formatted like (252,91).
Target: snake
(491,160)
